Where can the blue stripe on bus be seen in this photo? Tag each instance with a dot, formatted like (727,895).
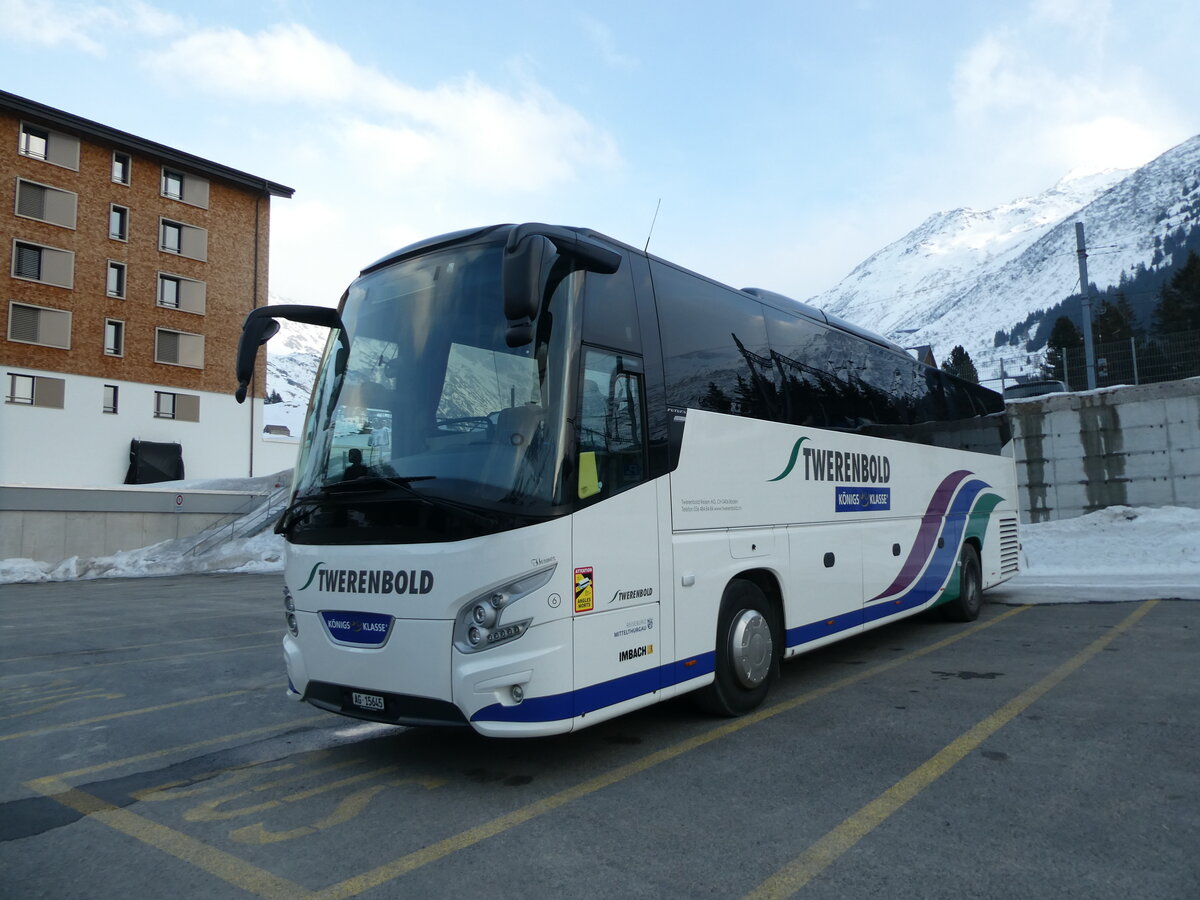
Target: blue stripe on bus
(570,704)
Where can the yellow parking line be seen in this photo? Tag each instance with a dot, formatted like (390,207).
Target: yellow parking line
(119,715)
(18,631)
(824,852)
(129,662)
(47,785)
(225,866)
(265,884)
(472,836)
(214,637)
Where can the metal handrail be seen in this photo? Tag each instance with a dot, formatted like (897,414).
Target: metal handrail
(248,520)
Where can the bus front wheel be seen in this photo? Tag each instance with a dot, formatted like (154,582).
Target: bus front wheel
(747,651)
(970,588)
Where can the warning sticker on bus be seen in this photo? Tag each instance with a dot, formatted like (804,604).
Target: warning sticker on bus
(584,590)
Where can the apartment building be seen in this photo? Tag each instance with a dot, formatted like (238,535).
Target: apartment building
(128,268)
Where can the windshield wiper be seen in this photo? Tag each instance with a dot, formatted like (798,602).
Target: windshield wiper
(375,482)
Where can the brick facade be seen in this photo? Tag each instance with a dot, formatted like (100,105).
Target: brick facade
(237,221)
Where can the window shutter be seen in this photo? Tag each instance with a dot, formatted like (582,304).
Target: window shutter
(28,261)
(31,200)
(168,346)
(23,323)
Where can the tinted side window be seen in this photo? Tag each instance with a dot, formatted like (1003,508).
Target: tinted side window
(714,346)
(610,310)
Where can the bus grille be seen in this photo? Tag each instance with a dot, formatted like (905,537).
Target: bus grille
(1010,547)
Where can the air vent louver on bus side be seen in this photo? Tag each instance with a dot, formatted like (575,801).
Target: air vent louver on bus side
(1010,547)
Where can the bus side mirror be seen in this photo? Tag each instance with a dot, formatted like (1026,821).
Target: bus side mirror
(261,325)
(521,279)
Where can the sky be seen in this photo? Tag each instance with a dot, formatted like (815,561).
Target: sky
(773,144)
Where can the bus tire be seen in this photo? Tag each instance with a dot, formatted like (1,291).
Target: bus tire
(747,651)
(970,588)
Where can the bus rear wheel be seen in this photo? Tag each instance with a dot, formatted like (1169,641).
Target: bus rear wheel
(747,651)
(970,588)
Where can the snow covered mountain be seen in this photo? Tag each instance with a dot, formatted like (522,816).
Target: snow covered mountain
(961,276)
(958,278)
(292,357)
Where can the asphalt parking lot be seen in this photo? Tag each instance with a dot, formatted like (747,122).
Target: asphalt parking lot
(147,749)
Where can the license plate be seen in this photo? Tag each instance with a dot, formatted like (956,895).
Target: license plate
(367,701)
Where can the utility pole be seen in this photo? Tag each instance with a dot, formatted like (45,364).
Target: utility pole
(1089,351)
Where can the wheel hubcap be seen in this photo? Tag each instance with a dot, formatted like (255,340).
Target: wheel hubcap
(750,648)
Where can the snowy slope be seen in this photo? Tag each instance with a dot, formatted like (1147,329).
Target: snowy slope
(959,277)
(964,275)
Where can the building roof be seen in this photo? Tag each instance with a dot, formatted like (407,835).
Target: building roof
(122,140)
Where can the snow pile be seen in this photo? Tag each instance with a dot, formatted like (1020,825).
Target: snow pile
(1122,541)
(260,553)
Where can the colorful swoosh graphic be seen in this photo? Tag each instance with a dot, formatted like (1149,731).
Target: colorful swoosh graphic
(791,462)
(931,523)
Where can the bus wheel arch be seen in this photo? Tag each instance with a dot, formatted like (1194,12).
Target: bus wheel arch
(749,645)
(969,603)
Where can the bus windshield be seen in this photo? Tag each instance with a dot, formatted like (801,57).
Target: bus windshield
(432,406)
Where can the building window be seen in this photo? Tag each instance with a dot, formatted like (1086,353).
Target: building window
(182,407)
(110,399)
(52,146)
(27,262)
(35,390)
(172,237)
(164,405)
(34,141)
(114,337)
(168,291)
(177,292)
(116,279)
(189,189)
(39,325)
(121,167)
(186,240)
(118,223)
(49,265)
(172,184)
(45,203)
(178,348)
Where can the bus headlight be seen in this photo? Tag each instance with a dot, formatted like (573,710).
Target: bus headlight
(293,625)
(480,624)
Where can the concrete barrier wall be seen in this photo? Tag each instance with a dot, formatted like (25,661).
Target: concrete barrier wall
(1120,446)
(50,524)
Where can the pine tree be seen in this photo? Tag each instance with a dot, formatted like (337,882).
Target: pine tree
(960,364)
(1064,336)
(1110,323)
(1178,306)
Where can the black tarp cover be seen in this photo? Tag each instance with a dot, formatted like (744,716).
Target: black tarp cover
(150,462)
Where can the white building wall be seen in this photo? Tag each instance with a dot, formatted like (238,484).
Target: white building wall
(82,446)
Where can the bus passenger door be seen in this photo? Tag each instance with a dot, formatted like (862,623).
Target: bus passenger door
(615,540)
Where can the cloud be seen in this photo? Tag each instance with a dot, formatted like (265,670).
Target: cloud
(602,38)
(376,162)
(1045,91)
(463,131)
(86,27)
(51,24)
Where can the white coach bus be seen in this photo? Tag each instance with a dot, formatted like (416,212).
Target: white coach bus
(547,478)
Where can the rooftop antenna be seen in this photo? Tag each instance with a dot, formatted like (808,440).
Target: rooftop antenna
(652,221)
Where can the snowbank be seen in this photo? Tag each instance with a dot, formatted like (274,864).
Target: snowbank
(1123,544)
